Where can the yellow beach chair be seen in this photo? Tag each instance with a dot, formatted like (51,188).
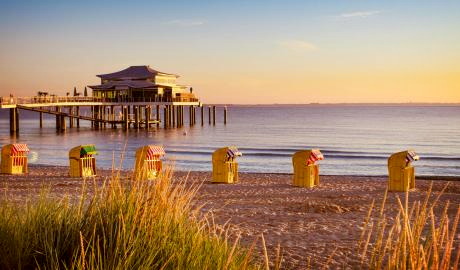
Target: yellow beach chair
(306,171)
(224,165)
(401,175)
(148,164)
(82,161)
(14,158)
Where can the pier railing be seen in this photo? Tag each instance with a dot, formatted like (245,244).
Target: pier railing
(66,99)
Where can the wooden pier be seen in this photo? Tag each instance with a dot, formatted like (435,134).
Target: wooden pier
(105,113)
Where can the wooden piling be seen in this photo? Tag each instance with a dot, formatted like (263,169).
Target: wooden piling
(147,117)
(202,115)
(78,114)
(112,116)
(214,115)
(173,115)
(165,120)
(62,125)
(136,117)
(225,115)
(14,122)
(71,119)
(209,114)
(158,115)
(41,119)
(92,116)
(125,118)
(58,118)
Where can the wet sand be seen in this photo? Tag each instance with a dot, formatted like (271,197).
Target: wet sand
(309,225)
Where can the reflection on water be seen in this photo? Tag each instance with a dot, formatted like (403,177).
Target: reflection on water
(354,139)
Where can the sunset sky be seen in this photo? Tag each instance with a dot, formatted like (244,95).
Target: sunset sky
(240,51)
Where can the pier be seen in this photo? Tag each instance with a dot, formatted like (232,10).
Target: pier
(137,97)
(103,113)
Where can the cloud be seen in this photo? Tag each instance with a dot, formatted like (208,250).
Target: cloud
(298,45)
(184,22)
(359,14)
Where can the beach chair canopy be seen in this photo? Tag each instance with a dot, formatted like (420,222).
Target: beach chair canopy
(315,155)
(411,156)
(232,152)
(155,150)
(19,148)
(89,149)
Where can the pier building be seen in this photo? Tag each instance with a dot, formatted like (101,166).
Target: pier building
(136,97)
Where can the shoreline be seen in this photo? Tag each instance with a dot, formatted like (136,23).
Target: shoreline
(418,177)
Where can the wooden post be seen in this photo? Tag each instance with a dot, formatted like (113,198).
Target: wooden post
(41,118)
(136,117)
(13,120)
(147,117)
(209,114)
(92,116)
(112,116)
(71,119)
(173,115)
(63,125)
(105,115)
(214,115)
(125,118)
(58,118)
(225,115)
(202,115)
(165,122)
(190,115)
(158,115)
(78,114)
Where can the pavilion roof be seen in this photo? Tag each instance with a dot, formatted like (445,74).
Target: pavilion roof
(134,72)
(126,83)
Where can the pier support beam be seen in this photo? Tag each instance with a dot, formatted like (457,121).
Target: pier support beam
(58,118)
(14,120)
(158,115)
(173,109)
(71,119)
(202,115)
(62,125)
(209,114)
(136,117)
(165,120)
(112,117)
(214,115)
(125,118)
(147,117)
(78,114)
(41,119)
(225,115)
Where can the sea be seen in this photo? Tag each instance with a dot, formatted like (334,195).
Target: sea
(355,139)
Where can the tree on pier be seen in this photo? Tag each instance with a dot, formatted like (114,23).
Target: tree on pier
(86,92)
(75,92)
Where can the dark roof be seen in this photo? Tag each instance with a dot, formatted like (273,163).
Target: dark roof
(127,83)
(133,72)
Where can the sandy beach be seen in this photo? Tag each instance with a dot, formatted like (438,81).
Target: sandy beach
(310,225)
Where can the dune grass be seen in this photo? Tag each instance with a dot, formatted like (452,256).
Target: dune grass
(121,225)
(413,239)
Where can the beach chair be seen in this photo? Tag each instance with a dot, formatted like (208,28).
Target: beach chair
(401,175)
(306,171)
(224,165)
(148,164)
(82,161)
(14,158)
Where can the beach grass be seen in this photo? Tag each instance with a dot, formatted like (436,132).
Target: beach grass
(122,224)
(414,238)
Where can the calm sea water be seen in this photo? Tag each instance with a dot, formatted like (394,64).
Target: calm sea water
(356,140)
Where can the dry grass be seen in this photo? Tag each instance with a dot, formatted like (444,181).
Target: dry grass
(122,225)
(413,239)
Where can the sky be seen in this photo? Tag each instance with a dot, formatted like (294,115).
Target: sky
(244,52)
